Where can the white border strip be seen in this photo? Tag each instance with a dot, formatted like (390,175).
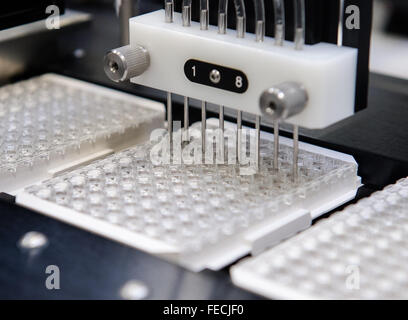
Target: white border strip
(95,225)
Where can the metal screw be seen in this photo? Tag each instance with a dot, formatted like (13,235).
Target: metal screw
(283,101)
(215,76)
(126,62)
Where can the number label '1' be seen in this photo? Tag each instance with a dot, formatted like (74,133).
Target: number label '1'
(216,76)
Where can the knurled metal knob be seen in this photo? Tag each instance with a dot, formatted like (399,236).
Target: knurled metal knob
(283,101)
(126,62)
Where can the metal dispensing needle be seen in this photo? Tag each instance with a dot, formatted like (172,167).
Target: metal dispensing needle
(279,14)
(239,135)
(170,121)
(260,36)
(203,126)
(222,29)
(295,151)
(204,21)
(258,142)
(124,10)
(276,145)
(221,138)
(241,29)
(186,119)
(186,16)
(169,13)
(299,43)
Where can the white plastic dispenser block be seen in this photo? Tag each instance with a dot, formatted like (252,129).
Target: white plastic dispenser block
(359,253)
(328,72)
(198,216)
(50,124)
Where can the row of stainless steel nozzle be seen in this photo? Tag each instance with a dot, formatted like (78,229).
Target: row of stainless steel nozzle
(277,103)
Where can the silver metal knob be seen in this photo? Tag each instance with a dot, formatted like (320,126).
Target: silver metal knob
(126,62)
(283,101)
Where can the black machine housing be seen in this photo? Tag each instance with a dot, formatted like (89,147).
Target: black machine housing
(18,12)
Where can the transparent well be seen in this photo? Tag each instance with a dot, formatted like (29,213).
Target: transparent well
(359,253)
(41,118)
(193,206)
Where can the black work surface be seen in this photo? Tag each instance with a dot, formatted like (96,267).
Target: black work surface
(93,267)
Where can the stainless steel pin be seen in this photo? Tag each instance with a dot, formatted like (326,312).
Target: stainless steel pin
(260,31)
(299,24)
(204,22)
(222,16)
(169,13)
(239,135)
(186,15)
(222,23)
(204,14)
(186,119)
(204,19)
(260,36)
(299,43)
(221,138)
(241,27)
(169,10)
(241,30)
(341,23)
(279,17)
(222,29)
(295,151)
(203,126)
(276,145)
(125,10)
(170,121)
(258,142)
